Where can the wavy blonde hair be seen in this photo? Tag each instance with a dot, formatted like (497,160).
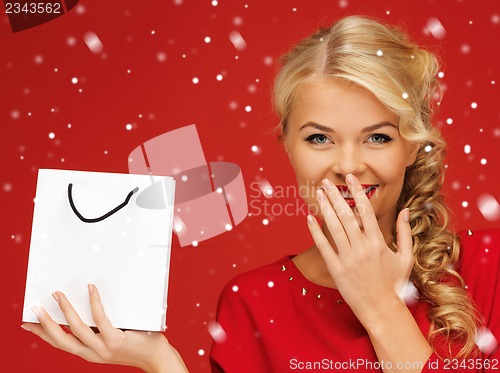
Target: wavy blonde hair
(402,76)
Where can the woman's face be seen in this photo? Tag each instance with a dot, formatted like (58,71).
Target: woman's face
(335,130)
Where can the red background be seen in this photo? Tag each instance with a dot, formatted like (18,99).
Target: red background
(157,96)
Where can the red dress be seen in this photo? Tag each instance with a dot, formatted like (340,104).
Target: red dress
(275,320)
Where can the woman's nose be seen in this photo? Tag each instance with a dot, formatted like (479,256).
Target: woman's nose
(348,160)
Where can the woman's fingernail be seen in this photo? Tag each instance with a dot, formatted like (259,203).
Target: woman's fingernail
(56,297)
(327,183)
(350,179)
(406,214)
(37,310)
(321,194)
(91,288)
(310,219)
(25,328)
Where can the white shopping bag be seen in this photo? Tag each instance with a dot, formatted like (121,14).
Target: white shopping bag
(111,230)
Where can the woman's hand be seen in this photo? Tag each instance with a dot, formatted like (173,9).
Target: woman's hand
(149,351)
(368,274)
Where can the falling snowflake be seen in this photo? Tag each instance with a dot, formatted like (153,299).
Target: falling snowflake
(485,341)
(93,42)
(436,28)
(489,207)
(217,332)
(409,293)
(237,40)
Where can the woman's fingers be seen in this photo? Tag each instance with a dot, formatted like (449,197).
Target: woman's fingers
(343,211)
(321,241)
(79,329)
(364,208)
(334,225)
(404,239)
(52,333)
(98,314)
(37,329)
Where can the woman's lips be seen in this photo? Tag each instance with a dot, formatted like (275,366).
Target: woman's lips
(344,190)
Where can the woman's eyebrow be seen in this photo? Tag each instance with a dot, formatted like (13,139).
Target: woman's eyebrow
(366,129)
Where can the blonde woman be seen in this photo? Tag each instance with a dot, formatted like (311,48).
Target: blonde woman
(355,103)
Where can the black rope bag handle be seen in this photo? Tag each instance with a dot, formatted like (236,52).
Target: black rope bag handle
(106,215)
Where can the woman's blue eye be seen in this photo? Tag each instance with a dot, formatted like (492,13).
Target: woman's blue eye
(378,138)
(317,139)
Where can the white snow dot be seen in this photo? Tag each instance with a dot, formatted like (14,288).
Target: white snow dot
(15,114)
(473,105)
(405,95)
(483,161)
(465,204)
(201,352)
(380,53)
(467,149)
(196,80)
(219,190)
(294,9)
(268,60)
(228,227)
(38,59)
(449,121)
(270,284)
(194,243)
(233,105)
(129,71)
(235,288)
(248,108)
(184,178)
(69,125)
(265,221)
(128,127)
(465,48)
(255,148)
(71,40)
(153,32)
(343,4)
(215,3)
(237,21)
(493,82)
(7,187)
(161,56)
(428,148)
(207,39)
(52,135)
(269,191)
(495,19)
(441,74)
(74,80)
(219,77)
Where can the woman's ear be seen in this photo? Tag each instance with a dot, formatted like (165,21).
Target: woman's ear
(413,153)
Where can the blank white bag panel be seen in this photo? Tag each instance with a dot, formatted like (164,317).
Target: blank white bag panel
(126,255)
